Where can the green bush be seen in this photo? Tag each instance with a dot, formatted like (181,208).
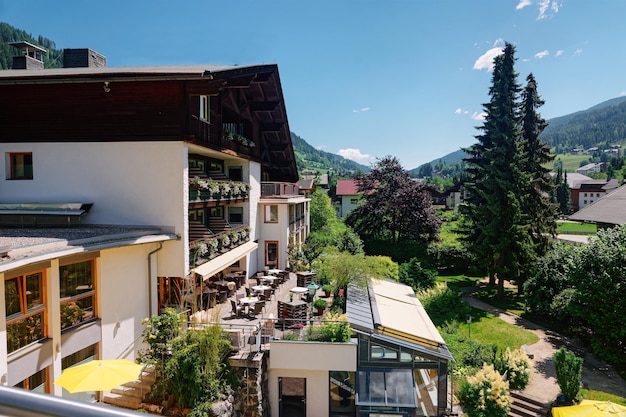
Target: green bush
(413,274)
(159,332)
(477,354)
(443,304)
(569,368)
(202,410)
(515,366)
(336,328)
(320,304)
(453,258)
(485,394)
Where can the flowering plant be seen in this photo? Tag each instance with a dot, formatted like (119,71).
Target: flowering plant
(225,240)
(214,244)
(225,188)
(485,394)
(515,365)
(158,334)
(234,236)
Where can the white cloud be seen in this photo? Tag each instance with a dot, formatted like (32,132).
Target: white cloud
(353,154)
(522,4)
(320,147)
(361,110)
(458,111)
(542,54)
(547,8)
(479,116)
(485,61)
(623,93)
(560,52)
(578,52)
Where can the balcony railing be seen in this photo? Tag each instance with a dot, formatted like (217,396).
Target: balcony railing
(279,189)
(204,190)
(203,250)
(297,225)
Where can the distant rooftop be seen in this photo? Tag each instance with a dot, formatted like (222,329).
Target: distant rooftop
(347,187)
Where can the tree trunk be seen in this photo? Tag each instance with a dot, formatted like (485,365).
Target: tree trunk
(492,279)
(500,288)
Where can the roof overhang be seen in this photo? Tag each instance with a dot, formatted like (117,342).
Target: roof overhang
(222,262)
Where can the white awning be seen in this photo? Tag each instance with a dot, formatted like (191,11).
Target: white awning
(218,264)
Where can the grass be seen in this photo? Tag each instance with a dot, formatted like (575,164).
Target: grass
(486,328)
(511,302)
(570,162)
(456,282)
(589,394)
(573,228)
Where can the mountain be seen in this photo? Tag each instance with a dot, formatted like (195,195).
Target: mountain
(601,125)
(307,157)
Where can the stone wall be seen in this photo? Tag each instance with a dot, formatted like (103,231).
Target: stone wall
(251,399)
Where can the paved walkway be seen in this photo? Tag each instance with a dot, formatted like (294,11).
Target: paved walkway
(596,374)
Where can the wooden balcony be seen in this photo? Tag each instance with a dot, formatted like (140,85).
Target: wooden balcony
(279,189)
(208,245)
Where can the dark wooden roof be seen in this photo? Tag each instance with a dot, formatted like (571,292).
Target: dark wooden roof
(147,103)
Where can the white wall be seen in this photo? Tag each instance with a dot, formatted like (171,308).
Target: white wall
(130,183)
(123,299)
(253,198)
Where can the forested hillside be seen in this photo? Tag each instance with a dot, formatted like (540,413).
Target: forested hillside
(53,59)
(600,126)
(307,157)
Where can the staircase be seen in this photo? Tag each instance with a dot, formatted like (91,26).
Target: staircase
(131,394)
(527,406)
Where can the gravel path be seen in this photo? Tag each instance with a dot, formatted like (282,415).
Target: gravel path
(596,375)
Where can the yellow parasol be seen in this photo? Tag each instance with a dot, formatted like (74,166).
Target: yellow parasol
(99,375)
(588,408)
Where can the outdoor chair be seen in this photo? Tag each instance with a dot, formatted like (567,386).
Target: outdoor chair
(258,308)
(239,296)
(223,296)
(236,308)
(248,292)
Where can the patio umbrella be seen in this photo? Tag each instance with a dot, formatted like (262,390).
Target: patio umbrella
(588,408)
(99,375)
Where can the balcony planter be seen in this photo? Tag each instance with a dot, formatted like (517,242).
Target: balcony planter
(327,290)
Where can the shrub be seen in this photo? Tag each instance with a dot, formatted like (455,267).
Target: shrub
(477,354)
(485,394)
(336,329)
(515,366)
(158,334)
(412,273)
(443,304)
(569,368)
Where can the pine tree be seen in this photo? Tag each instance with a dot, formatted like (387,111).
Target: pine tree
(497,227)
(540,212)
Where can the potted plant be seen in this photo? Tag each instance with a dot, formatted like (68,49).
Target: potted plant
(327,288)
(320,305)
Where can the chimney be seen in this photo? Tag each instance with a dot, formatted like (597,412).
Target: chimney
(83,57)
(29,56)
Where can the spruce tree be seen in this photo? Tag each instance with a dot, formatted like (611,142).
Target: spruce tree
(539,212)
(497,226)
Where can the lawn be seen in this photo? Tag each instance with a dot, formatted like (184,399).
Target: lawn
(486,328)
(589,394)
(573,228)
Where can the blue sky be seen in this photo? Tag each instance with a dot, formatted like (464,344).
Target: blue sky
(363,78)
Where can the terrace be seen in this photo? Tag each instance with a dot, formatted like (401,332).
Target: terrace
(263,308)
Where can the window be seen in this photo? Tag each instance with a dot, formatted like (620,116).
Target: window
(235,214)
(342,392)
(25,309)
(35,382)
(354,201)
(77,293)
(21,166)
(205,111)
(390,388)
(271,214)
(271,253)
(235,173)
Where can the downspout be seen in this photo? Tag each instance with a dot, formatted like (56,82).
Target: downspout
(150,277)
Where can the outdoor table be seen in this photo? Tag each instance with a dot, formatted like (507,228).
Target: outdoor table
(261,287)
(299,290)
(269,279)
(247,302)
(221,283)
(275,271)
